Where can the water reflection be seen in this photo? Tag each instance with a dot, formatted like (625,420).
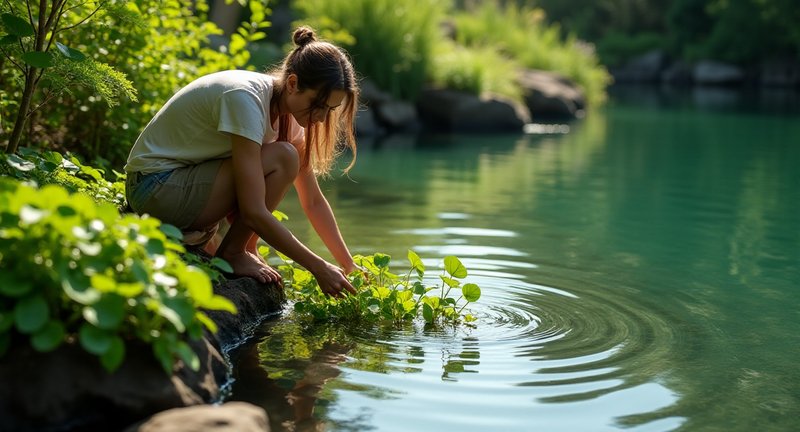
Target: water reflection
(639,272)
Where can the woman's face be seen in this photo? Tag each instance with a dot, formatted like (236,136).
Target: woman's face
(307,110)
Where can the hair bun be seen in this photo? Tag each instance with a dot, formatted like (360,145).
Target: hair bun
(304,36)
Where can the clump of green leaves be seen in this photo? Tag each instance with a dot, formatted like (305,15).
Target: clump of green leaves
(50,167)
(73,270)
(383,295)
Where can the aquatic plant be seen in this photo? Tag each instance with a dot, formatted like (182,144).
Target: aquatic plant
(383,295)
(76,271)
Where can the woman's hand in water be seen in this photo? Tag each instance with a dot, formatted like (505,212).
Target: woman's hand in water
(332,280)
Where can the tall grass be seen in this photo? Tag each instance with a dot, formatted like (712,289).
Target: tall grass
(520,33)
(391,41)
(476,70)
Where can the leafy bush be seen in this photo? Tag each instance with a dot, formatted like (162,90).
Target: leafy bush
(73,270)
(521,34)
(476,70)
(383,295)
(50,167)
(160,46)
(391,41)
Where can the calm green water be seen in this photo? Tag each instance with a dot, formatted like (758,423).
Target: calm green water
(641,272)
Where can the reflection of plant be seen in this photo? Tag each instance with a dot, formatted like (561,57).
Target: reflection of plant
(75,270)
(383,295)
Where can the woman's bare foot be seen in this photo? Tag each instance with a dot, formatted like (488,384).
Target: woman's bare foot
(248,264)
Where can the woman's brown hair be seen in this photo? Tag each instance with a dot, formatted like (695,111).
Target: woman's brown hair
(323,67)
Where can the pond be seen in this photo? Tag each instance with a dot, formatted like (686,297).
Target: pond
(640,270)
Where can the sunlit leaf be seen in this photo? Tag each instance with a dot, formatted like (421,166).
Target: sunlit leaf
(454,267)
(416,262)
(471,292)
(70,53)
(450,281)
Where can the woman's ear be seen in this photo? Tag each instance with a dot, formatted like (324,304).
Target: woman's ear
(291,84)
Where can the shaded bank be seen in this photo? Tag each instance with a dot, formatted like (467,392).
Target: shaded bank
(67,389)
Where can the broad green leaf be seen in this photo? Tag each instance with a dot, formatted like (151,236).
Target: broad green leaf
(206,321)
(416,262)
(163,354)
(8,40)
(382,292)
(103,283)
(419,288)
(433,302)
(188,355)
(19,163)
(224,265)
(70,53)
(381,260)
(281,216)
(427,312)
(38,59)
(94,340)
(454,267)
(130,290)
(78,288)
(198,284)
(450,281)
(171,231)
(409,305)
(219,303)
(115,354)
(155,246)
(107,313)
(469,318)
(471,292)
(31,314)
(17,26)
(12,286)
(48,337)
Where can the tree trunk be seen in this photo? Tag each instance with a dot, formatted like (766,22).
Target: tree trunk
(22,112)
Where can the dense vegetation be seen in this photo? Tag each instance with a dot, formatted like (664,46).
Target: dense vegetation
(744,32)
(73,269)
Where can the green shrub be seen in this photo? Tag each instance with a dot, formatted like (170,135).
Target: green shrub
(160,46)
(48,167)
(477,70)
(383,295)
(391,42)
(521,34)
(75,270)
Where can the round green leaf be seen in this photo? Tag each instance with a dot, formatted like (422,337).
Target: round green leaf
(70,53)
(113,357)
(416,262)
(94,340)
(381,260)
(12,286)
(471,292)
(9,40)
(17,26)
(31,313)
(38,59)
(107,313)
(171,231)
(48,337)
(454,267)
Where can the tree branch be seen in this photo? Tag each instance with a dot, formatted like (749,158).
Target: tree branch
(99,6)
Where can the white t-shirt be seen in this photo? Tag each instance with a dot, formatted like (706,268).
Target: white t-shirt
(195,125)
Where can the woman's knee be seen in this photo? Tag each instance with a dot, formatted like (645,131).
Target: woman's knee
(282,157)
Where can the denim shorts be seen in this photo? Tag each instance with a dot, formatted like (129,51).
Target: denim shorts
(175,196)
